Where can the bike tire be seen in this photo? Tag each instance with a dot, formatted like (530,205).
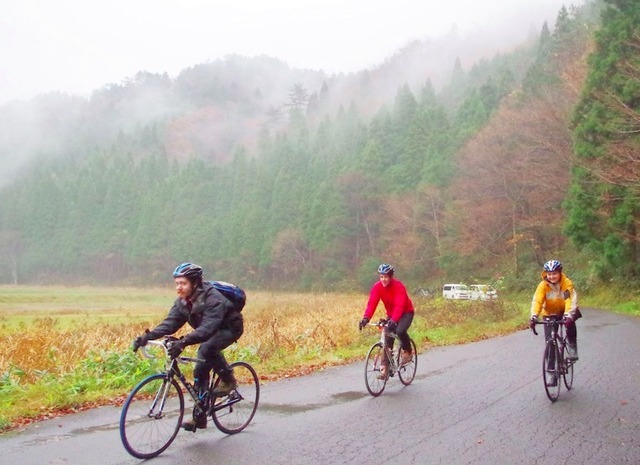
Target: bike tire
(374,384)
(151,416)
(407,372)
(567,373)
(548,368)
(232,413)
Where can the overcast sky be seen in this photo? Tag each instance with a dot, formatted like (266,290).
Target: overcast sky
(76,46)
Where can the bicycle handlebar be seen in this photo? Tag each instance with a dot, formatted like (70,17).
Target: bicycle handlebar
(163,344)
(382,325)
(145,349)
(547,322)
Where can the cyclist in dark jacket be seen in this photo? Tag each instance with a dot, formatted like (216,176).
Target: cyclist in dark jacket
(216,323)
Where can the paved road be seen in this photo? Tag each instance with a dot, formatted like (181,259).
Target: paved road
(480,403)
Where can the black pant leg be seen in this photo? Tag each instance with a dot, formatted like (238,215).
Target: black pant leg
(401,331)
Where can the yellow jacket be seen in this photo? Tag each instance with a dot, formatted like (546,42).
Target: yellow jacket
(555,299)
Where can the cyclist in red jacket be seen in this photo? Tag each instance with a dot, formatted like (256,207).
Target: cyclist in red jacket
(399,311)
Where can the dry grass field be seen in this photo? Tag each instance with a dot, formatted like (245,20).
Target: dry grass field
(64,348)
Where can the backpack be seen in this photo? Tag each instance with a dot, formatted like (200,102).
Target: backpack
(232,292)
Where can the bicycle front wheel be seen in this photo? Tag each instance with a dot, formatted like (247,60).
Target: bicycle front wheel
(551,371)
(567,373)
(373,377)
(151,416)
(407,371)
(232,413)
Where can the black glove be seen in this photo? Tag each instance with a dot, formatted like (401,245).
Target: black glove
(140,341)
(363,323)
(175,348)
(532,322)
(567,320)
(392,326)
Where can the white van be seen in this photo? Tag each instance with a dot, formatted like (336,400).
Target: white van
(455,291)
(483,292)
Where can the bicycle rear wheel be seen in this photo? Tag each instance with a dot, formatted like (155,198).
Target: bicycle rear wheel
(151,416)
(372,374)
(232,413)
(551,371)
(567,373)
(407,372)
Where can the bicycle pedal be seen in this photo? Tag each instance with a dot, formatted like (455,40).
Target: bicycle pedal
(191,428)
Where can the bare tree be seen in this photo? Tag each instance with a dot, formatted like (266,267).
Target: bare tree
(10,250)
(364,212)
(298,97)
(514,175)
(290,253)
(413,228)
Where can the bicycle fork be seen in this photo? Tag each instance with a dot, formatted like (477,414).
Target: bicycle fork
(157,406)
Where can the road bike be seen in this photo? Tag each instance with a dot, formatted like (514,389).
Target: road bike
(555,363)
(153,412)
(382,354)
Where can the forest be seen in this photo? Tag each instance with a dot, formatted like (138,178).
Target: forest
(279,178)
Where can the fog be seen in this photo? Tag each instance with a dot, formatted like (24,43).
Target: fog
(74,46)
(74,73)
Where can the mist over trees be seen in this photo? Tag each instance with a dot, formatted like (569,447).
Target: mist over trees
(276,177)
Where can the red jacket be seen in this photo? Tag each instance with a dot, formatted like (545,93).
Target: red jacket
(394,297)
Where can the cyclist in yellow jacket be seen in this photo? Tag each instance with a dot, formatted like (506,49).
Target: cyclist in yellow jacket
(556,298)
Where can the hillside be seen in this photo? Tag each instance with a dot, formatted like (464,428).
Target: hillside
(211,109)
(291,178)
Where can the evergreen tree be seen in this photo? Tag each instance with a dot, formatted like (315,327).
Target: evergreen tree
(606,188)
(543,71)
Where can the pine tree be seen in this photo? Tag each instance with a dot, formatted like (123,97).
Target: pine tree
(607,185)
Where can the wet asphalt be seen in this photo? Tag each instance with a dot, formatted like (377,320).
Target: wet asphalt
(479,403)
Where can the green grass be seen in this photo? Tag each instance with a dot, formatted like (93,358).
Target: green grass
(610,298)
(67,348)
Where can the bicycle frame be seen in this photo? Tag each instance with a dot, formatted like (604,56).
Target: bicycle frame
(153,412)
(381,355)
(558,337)
(388,351)
(173,371)
(555,346)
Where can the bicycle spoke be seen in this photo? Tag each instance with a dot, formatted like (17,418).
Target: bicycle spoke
(407,371)
(151,416)
(232,413)
(555,365)
(373,378)
(551,372)
(568,371)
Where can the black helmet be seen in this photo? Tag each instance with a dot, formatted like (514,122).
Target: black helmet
(189,270)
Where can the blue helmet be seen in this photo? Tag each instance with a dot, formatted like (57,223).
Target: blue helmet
(386,269)
(553,265)
(188,270)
